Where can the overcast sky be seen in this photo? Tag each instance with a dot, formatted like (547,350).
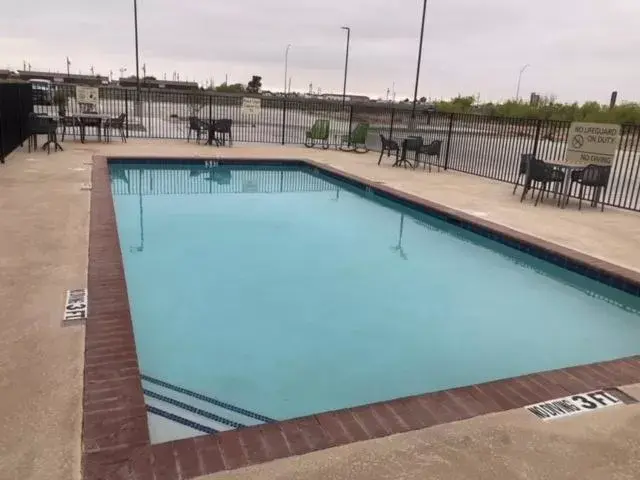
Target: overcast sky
(577,49)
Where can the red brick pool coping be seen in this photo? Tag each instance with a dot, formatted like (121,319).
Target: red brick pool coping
(115,438)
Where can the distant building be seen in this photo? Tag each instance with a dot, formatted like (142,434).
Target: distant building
(348,98)
(4,74)
(338,97)
(63,78)
(152,82)
(534,100)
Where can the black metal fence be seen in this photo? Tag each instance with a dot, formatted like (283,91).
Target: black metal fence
(474,144)
(15,105)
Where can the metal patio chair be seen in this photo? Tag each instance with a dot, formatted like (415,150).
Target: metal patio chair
(522,170)
(42,125)
(389,146)
(222,127)
(196,125)
(430,150)
(538,171)
(116,123)
(319,133)
(68,122)
(595,177)
(356,141)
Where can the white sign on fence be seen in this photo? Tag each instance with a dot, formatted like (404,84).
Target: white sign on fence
(251,106)
(592,143)
(88,95)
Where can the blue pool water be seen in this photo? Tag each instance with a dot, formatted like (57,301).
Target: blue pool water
(284,293)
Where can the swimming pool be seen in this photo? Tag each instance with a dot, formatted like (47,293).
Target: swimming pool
(268,293)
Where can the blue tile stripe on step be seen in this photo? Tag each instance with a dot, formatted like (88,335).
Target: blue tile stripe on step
(189,408)
(180,420)
(211,400)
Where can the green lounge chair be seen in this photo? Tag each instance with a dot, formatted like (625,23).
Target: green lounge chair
(357,140)
(319,133)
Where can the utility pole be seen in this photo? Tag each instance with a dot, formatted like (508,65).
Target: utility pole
(91,69)
(24,65)
(519,80)
(415,90)
(144,70)
(286,66)
(289,84)
(135,21)
(68,67)
(346,65)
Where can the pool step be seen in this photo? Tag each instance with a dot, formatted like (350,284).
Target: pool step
(176,412)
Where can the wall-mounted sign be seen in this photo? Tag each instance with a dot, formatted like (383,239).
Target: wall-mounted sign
(574,404)
(88,95)
(76,305)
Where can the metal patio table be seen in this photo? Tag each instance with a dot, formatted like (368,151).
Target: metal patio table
(567,168)
(85,118)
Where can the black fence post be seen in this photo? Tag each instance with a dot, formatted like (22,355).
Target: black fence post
(393,114)
(284,118)
(126,111)
(210,116)
(449,133)
(350,122)
(537,137)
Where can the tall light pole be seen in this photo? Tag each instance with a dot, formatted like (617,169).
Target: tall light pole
(346,65)
(415,90)
(135,21)
(519,80)
(286,67)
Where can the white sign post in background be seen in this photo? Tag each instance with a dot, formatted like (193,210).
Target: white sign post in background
(87,95)
(592,143)
(251,106)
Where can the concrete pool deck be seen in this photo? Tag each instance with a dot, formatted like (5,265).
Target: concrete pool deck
(44,227)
